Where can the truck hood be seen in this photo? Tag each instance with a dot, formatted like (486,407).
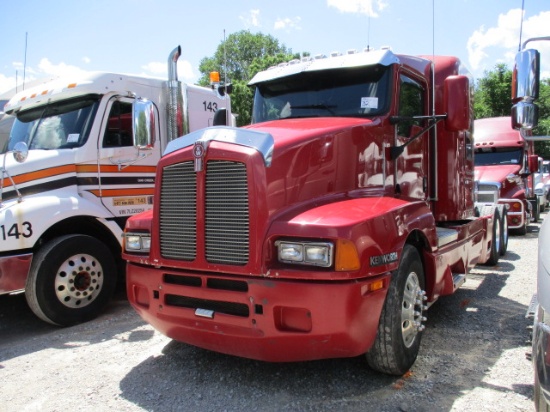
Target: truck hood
(495,173)
(292,131)
(305,159)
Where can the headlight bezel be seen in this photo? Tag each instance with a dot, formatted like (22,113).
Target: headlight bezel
(304,252)
(137,242)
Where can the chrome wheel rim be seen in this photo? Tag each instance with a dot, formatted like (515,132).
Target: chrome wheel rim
(78,281)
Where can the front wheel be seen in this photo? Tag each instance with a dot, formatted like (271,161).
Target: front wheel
(71,280)
(401,322)
(496,239)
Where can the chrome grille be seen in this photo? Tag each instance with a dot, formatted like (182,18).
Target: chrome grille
(178,212)
(487,193)
(226,213)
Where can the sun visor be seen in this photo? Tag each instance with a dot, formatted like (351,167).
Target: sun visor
(336,61)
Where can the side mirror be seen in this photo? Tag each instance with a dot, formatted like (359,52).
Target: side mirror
(526,74)
(143,124)
(525,89)
(220,118)
(20,152)
(456,98)
(533,163)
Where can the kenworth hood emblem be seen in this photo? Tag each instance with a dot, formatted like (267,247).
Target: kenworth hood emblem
(199,151)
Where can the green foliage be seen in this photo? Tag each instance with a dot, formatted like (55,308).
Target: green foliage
(238,59)
(493,93)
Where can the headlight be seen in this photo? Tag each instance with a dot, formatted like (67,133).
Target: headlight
(137,242)
(305,253)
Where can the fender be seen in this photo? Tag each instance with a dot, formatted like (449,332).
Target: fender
(379,228)
(23,223)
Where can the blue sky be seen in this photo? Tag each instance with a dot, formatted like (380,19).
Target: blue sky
(136,36)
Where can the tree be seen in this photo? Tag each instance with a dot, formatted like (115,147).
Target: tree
(493,93)
(239,58)
(543,128)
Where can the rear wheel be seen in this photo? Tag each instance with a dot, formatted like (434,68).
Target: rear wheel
(71,280)
(401,322)
(503,230)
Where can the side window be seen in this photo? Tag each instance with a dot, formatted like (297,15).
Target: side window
(411,103)
(118,132)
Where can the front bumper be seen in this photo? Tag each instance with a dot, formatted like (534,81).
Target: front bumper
(269,319)
(517,215)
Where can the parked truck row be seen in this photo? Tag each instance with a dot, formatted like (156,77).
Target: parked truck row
(359,183)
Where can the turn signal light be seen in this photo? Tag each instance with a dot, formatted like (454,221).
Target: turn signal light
(346,256)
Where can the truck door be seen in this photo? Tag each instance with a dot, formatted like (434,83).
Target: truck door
(411,165)
(126,173)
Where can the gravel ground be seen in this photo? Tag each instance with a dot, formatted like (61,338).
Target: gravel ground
(472,358)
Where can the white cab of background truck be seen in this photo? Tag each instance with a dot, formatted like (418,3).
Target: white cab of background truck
(81,159)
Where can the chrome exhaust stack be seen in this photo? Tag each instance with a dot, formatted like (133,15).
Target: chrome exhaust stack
(176,108)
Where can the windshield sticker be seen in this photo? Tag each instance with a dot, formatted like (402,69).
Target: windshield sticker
(72,138)
(369,102)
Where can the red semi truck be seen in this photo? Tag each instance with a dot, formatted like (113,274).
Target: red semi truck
(504,167)
(327,227)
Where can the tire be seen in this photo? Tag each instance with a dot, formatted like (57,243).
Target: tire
(536,211)
(538,397)
(400,328)
(494,252)
(520,231)
(62,298)
(503,230)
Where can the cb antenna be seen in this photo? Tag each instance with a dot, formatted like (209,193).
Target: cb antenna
(368,32)
(25,61)
(224,59)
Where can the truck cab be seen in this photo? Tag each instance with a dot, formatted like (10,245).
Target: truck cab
(504,167)
(340,191)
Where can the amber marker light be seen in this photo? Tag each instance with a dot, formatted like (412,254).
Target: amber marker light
(346,256)
(376,285)
(214,77)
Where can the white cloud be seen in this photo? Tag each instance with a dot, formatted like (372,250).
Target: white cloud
(158,69)
(86,60)
(503,41)
(50,69)
(6,83)
(185,71)
(368,7)
(288,24)
(155,68)
(252,19)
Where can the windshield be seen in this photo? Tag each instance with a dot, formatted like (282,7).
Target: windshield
(488,157)
(350,92)
(58,125)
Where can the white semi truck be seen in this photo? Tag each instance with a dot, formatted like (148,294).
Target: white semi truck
(80,160)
